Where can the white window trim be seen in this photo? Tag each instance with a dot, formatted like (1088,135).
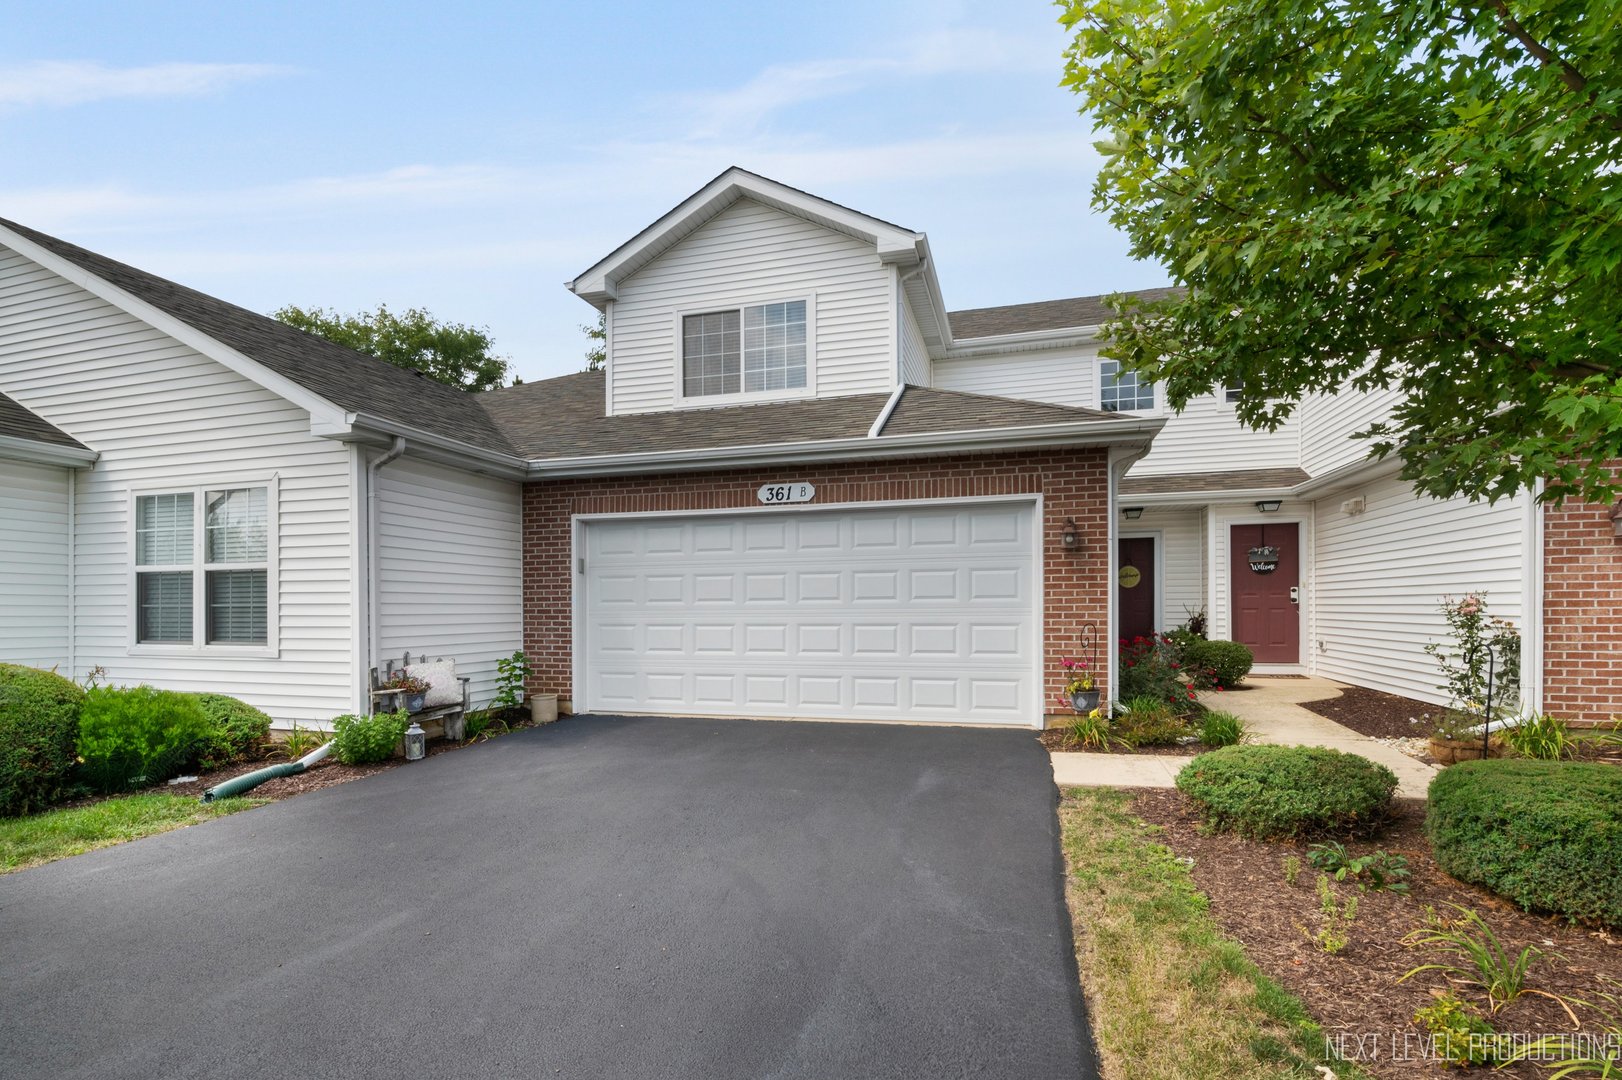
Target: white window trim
(709,401)
(1098,396)
(200,647)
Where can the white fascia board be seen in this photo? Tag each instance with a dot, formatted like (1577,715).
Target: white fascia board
(434,447)
(1353,475)
(937,302)
(1361,471)
(319,408)
(1082,433)
(1027,341)
(1162,498)
(71,457)
(597,283)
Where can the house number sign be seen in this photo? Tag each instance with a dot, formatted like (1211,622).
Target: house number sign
(797,492)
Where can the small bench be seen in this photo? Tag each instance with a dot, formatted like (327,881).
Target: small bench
(446,701)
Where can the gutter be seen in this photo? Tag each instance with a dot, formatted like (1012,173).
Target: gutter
(1361,471)
(1086,433)
(451,451)
(40,453)
(1026,341)
(884,413)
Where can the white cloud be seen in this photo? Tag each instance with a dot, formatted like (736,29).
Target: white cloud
(74,82)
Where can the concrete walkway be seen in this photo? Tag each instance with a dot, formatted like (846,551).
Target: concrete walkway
(1272,712)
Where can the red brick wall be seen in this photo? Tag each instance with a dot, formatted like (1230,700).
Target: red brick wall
(1073,484)
(1582,625)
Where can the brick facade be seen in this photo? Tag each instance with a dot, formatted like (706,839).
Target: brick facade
(1582,633)
(1073,484)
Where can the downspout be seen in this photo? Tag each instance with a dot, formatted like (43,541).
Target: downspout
(372,469)
(247,781)
(73,583)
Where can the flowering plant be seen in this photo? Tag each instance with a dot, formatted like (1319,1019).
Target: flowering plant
(407,684)
(1465,667)
(1078,676)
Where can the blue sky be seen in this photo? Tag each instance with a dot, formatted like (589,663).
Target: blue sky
(469,158)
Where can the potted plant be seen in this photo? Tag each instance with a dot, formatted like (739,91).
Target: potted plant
(411,689)
(1080,687)
(1458,738)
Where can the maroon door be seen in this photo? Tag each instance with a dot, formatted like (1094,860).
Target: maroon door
(1266,615)
(1135,586)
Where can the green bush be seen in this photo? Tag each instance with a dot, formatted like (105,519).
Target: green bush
(39,723)
(357,740)
(1217,664)
(1147,722)
(236,731)
(1287,791)
(1221,729)
(1545,834)
(131,736)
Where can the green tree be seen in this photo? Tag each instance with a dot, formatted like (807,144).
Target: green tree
(1421,196)
(454,354)
(597,350)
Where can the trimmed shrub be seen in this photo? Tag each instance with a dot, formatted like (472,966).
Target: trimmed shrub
(1266,792)
(1221,665)
(1545,834)
(236,731)
(358,740)
(137,735)
(39,723)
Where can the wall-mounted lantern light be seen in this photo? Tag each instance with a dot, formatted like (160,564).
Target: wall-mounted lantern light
(1071,537)
(1268,506)
(1616,517)
(1132,513)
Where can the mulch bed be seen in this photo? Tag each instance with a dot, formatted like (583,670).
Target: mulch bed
(1380,716)
(1354,994)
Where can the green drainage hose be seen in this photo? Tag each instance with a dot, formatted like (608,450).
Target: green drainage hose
(248,781)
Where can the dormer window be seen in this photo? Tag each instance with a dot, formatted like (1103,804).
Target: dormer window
(758,349)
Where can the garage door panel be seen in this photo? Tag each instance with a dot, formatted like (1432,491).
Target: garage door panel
(891,614)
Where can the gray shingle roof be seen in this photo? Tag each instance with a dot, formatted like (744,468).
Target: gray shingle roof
(19,423)
(563,418)
(1235,480)
(351,380)
(1043,315)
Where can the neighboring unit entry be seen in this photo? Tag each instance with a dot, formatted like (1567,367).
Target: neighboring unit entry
(797,492)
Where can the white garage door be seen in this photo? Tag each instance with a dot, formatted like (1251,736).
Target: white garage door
(896,614)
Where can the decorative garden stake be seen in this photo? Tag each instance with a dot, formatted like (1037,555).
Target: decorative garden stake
(1486,720)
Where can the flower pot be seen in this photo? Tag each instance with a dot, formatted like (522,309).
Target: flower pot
(1084,701)
(1451,751)
(543,708)
(414,702)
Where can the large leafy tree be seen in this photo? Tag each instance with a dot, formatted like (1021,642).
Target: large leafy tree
(454,354)
(1421,196)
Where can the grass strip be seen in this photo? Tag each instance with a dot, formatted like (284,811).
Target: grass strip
(56,834)
(1168,995)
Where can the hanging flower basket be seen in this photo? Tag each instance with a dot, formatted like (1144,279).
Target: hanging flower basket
(1084,701)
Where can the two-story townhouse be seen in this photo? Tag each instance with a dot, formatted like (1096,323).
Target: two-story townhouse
(800,487)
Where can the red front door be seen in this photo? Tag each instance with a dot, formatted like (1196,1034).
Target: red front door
(1266,614)
(1135,586)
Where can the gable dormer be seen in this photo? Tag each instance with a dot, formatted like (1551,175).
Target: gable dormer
(751,291)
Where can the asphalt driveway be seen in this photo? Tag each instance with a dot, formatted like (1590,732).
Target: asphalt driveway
(606,897)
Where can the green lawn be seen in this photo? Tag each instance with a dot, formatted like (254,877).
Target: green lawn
(56,834)
(1169,996)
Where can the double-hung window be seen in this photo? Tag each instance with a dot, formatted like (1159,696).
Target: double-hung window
(204,567)
(754,349)
(1120,390)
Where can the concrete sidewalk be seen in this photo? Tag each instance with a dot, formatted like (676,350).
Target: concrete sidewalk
(1272,713)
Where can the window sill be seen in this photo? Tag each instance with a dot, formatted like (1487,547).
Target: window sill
(206,652)
(760,397)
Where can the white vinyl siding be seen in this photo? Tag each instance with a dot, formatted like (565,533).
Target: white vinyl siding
(1208,437)
(1329,420)
(1381,576)
(1182,534)
(162,415)
(1058,376)
(34,565)
(914,353)
(450,568)
(751,253)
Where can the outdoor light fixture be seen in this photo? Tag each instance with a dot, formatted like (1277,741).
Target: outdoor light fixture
(1132,513)
(1268,506)
(1616,517)
(1070,537)
(416,742)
